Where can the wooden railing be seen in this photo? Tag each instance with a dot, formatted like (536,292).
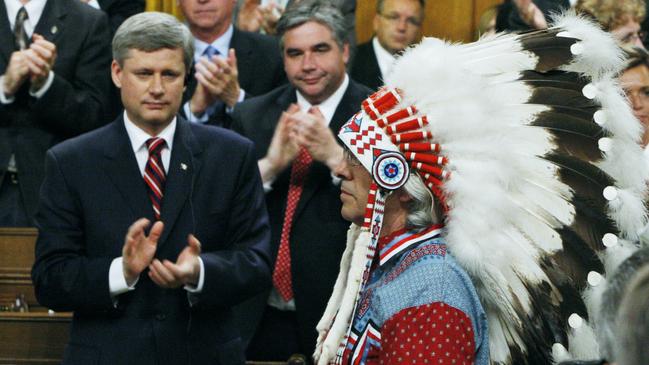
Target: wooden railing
(34,337)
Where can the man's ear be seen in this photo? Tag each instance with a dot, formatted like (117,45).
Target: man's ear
(346,53)
(403,196)
(116,74)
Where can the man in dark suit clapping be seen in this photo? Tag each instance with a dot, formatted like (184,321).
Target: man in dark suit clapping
(142,292)
(230,65)
(54,84)
(293,128)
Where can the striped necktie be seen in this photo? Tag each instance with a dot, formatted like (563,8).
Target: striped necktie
(154,174)
(20,36)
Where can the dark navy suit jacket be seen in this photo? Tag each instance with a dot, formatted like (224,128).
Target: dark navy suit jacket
(93,191)
(77,101)
(318,235)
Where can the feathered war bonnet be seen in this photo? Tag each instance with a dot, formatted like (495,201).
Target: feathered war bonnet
(530,144)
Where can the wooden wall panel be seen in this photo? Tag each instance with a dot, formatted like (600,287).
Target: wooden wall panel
(454,20)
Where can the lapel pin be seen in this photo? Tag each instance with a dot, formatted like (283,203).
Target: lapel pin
(54,29)
(183,166)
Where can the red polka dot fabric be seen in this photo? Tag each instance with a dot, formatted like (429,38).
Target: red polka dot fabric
(429,334)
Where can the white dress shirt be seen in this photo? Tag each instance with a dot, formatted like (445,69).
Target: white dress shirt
(327,107)
(116,280)
(384,58)
(34,10)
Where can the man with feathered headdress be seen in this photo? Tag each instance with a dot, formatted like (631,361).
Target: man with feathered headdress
(529,149)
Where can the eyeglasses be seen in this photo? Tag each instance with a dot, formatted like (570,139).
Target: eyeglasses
(395,18)
(350,159)
(632,37)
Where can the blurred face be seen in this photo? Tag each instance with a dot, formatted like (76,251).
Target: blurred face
(151,86)
(313,61)
(629,33)
(635,82)
(207,16)
(354,189)
(398,24)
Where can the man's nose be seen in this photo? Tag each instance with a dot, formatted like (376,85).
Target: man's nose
(342,170)
(156,87)
(308,61)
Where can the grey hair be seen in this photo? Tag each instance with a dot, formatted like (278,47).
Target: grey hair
(151,31)
(422,209)
(313,11)
(611,298)
(633,322)
(380,4)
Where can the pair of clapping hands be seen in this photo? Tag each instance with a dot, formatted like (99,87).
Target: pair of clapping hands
(32,64)
(138,253)
(299,128)
(218,79)
(254,17)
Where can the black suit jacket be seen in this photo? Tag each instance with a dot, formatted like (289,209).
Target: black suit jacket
(365,68)
(318,234)
(76,101)
(260,67)
(92,193)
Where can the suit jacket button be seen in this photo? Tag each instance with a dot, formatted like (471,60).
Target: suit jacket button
(160,316)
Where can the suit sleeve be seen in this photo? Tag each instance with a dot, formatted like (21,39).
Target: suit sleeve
(234,275)
(65,279)
(82,102)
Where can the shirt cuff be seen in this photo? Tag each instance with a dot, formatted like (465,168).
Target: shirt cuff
(268,186)
(116,280)
(193,118)
(335,179)
(201,279)
(242,97)
(46,86)
(3,98)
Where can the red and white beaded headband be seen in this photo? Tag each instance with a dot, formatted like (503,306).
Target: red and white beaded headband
(391,141)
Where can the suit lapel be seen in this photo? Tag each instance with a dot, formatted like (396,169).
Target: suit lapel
(7,45)
(242,48)
(183,166)
(51,23)
(122,169)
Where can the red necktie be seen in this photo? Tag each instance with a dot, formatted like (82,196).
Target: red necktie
(282,272)
(154,174)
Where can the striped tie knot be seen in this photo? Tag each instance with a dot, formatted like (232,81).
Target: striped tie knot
(154,174)
(155,145)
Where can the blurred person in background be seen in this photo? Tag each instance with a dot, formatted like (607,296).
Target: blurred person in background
(397,25)
(621,18)
(635,82)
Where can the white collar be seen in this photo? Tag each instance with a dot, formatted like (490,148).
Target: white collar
(222,44)
(327,107)
(384,58)
(138,137)
(34,10)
